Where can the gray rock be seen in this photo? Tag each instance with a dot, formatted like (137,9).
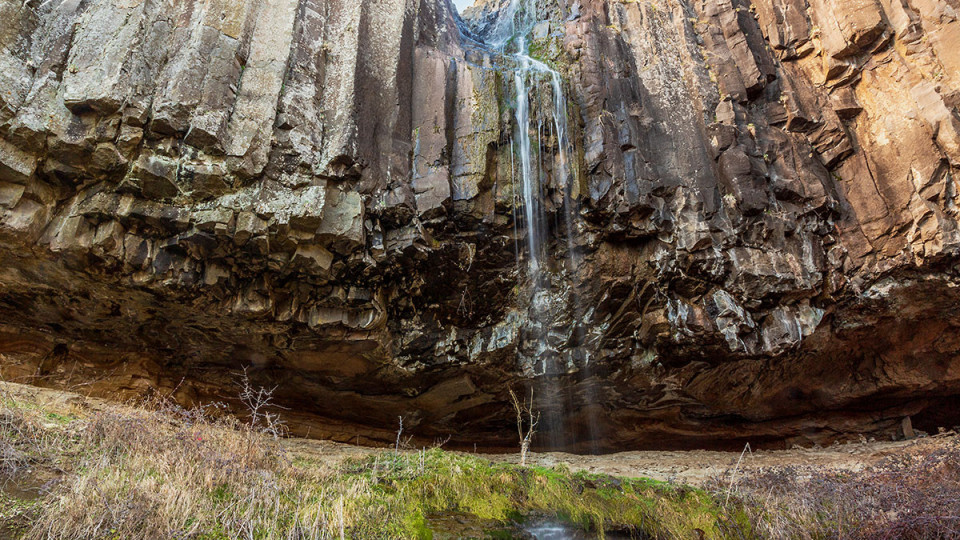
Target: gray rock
(757,201)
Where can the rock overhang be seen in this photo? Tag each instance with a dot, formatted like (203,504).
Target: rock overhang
(768,232)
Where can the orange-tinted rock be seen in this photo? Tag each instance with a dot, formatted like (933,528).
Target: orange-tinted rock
(763,202)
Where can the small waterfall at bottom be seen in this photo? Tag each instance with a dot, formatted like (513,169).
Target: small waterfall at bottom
(549,296)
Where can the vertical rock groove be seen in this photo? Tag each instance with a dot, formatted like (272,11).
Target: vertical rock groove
(740,217)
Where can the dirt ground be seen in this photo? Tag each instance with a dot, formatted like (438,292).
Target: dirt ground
(695,467)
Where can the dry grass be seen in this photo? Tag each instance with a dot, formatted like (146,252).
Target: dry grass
(157,470)
(913,495)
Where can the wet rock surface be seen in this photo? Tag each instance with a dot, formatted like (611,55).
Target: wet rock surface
(764,244)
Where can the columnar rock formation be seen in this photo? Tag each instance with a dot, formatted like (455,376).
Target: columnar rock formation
(324,192)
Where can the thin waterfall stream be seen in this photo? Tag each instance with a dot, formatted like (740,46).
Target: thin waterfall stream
(507,37)
(531,186)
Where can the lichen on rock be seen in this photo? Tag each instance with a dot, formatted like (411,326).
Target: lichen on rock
(765,197)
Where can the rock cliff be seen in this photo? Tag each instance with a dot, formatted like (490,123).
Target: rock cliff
(753,238)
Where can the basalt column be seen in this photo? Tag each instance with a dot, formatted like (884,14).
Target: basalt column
(734,222)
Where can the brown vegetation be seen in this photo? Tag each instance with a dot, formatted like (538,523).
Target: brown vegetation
(913,495)
(158,470)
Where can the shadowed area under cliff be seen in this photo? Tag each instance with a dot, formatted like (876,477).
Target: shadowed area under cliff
(754,237)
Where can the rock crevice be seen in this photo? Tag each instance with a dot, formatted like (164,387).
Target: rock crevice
(764,245)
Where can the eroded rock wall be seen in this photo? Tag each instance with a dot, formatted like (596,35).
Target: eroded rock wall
(763,245)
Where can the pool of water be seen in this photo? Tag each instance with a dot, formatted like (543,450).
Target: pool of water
(553,531)
(458,525)
(550,530)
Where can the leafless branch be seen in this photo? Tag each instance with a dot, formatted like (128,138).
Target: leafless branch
(527,420)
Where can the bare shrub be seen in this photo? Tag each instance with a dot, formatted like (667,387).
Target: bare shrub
(913,496)
(527,421)
(259,401)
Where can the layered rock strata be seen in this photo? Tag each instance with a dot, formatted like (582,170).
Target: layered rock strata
(324,193)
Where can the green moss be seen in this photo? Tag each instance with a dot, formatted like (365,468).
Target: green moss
(449,482)
(215,533)
(538,50)
(222,493)
(549,50)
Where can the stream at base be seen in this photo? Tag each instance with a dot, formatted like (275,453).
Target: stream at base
(459,525)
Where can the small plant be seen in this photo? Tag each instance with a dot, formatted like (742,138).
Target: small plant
(396,448)
(259,401)
(527,421)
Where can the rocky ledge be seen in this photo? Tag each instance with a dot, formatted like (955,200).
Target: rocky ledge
(757,240)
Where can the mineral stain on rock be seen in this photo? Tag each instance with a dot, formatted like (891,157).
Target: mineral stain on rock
(764,244)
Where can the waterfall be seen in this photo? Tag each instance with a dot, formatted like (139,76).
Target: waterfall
(570,207)
(507,37)
(533,213)
(541,309)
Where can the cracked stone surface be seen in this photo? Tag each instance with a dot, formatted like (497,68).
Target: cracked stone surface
(763,244)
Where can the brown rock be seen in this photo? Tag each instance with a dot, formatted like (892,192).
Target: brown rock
(749,225)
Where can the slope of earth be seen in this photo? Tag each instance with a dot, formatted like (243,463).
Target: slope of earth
(76,467)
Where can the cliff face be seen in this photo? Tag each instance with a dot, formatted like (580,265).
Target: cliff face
(755,237)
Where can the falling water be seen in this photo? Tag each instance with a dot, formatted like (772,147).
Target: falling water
(531,186)
(510,30)
(551,399)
